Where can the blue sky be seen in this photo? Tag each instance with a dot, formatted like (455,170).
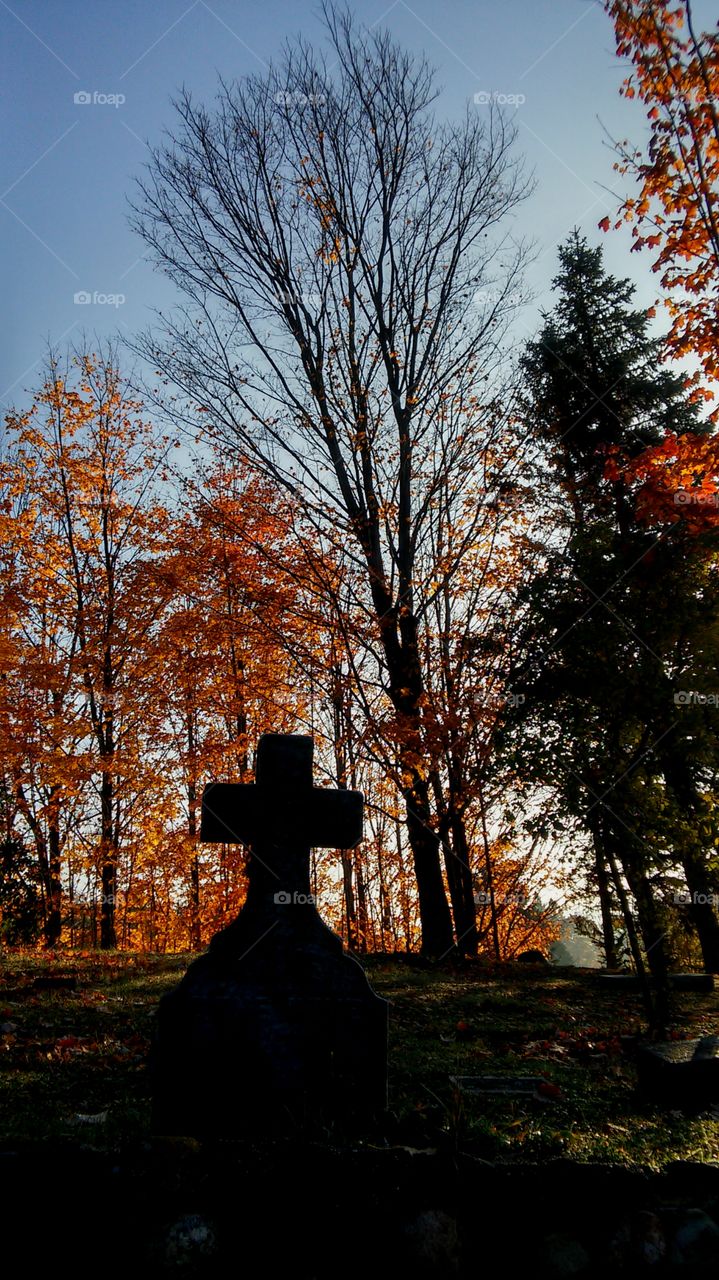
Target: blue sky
(68,166)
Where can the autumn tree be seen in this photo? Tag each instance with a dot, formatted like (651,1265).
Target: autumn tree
(331,238)
(42,731)
(225,648)
(675,214)
(88,525)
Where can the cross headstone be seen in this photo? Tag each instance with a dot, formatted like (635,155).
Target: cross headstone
(275,1028)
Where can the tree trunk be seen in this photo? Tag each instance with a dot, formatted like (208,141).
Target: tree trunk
(450,866)
(678,776)
(195,930)
(41,850)
(109,834)
(466,927)
(406,692)
(108,861)
(650,923)
(195,923)
(152,916)
(385,913)
(349,897)
(403,891)
(453,881)
(605,906)
(490,876)
(362,916)
(461,890)
(437,939)
(654,939)
(456,863)
(632,935)
(342,730)
(702,910)
(53,919)
(602,878)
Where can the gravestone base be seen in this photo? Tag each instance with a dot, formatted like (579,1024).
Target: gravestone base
(275,1032)
(682,1074)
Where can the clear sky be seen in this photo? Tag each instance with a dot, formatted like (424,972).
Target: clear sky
(67,165)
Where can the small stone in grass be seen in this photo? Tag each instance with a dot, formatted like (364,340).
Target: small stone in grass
(100,1117)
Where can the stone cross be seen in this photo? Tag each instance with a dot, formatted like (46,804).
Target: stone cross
(275,1030)
(281,816)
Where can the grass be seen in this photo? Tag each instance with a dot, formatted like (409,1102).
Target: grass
(553,1023)
(72,1064)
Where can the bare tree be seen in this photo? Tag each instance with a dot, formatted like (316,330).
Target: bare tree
(349,284)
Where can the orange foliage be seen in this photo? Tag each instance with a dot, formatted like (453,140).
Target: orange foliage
(677,480)
(676,75)
(146,644)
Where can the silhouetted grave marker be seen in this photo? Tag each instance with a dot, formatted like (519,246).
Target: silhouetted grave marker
(677,981)
(501,1086)
(682,1073)
(55,982)
(533,957)
(275,1029)
(692,981)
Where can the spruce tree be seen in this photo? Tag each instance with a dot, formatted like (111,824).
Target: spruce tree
(615,615)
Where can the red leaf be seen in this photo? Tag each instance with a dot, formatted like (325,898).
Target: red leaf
(549,1090)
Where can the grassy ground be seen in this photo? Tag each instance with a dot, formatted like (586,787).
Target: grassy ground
(72,1063)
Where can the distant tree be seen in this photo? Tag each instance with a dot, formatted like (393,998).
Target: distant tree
(349,278)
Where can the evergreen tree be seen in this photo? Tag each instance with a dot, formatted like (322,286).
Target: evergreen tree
(595,380)
(616,617)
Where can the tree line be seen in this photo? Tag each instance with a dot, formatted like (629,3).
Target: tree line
(154,624)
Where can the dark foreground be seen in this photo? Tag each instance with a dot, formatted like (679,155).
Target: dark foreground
(581,1179)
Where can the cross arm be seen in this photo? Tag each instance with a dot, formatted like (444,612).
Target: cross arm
(244,813)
